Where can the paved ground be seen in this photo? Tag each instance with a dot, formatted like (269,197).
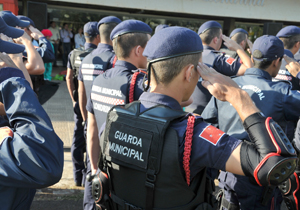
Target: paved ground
(63,195)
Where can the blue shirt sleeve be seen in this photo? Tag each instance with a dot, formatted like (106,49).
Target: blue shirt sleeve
(210,113)
(227,65)
(33,157)
(291,101)
(205,153)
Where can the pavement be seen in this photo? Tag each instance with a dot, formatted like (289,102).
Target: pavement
(64,195)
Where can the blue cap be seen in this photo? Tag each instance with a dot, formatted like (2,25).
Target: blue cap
(271,47)
(130,26)
(21,17)
(91,29)
(12,20)
(288,53)
(288,31)
(208,25)
(159,27)
(9,31)
(172,42)
(109,19)
(10,47)
(9,72)
(238,30)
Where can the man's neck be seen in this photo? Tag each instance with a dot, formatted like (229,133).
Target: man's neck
(210,45)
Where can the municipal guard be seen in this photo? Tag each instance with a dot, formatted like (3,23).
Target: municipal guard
(92,65)
(119,85)
(31,153)
(211,34)
(240,36)
(78,147)
(275,99)
(154,155)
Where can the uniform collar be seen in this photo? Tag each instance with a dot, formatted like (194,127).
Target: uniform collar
(89,45)
(125,64)
(258,72)
(151,99)
(105,46)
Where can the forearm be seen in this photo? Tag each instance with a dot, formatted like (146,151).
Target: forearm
(82,100)
(70,83)
(245,58)
(34,64)
(19,63)
(92,141)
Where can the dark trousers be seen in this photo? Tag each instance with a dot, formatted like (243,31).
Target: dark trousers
(66,51)
(78,148)
(55,53)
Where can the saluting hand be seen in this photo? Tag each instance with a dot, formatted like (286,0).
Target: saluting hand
(292,65)
(35,33)
(250,45)
(6,61)
(230,44)
(221,87)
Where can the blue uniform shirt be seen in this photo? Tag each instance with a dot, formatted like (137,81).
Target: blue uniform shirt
(45,50)
(33,157)
(126,69)
(100,49)
(220,62)
(204,152)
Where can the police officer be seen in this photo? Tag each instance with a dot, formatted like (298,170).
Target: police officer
(94,64)
(240,36)
(98,61)
(123,82)
(211,34)
(76,56)
(155,155)
(275,99)
(31,152)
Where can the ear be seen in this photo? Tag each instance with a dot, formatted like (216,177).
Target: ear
(297,45)
(215,40)
(189,72)
(138,50)
(276,62)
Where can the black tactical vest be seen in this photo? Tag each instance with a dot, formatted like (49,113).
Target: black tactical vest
(110,91)
(140,153)
(93,66)
(76,58)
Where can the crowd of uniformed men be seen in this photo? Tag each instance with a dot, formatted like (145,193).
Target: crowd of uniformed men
(180,121)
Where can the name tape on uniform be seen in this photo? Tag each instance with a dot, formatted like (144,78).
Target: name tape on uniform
(128,144)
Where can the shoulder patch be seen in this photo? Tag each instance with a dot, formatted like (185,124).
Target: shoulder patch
(5,132)
(211,134)
(230,60)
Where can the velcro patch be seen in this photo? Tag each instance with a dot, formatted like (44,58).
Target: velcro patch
(4,133)
(230,60)
(211,134)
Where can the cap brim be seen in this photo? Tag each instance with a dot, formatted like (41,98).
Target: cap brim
(13,32)
(23,23)
(11,48)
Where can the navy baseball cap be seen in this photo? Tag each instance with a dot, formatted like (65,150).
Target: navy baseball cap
(208,25)
(238,30)
(271,47)
(91,29)
(288,31)
(10,47)
(159,27)
(9,31)
(12,20)
(21,17)
(9,72)
(109,19)
(130,26)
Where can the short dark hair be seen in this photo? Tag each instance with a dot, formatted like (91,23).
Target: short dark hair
(208,35)
(239,37)
(105,30)
(125,43)
(89,38)
(263,64)
(165,71)
(289,42)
